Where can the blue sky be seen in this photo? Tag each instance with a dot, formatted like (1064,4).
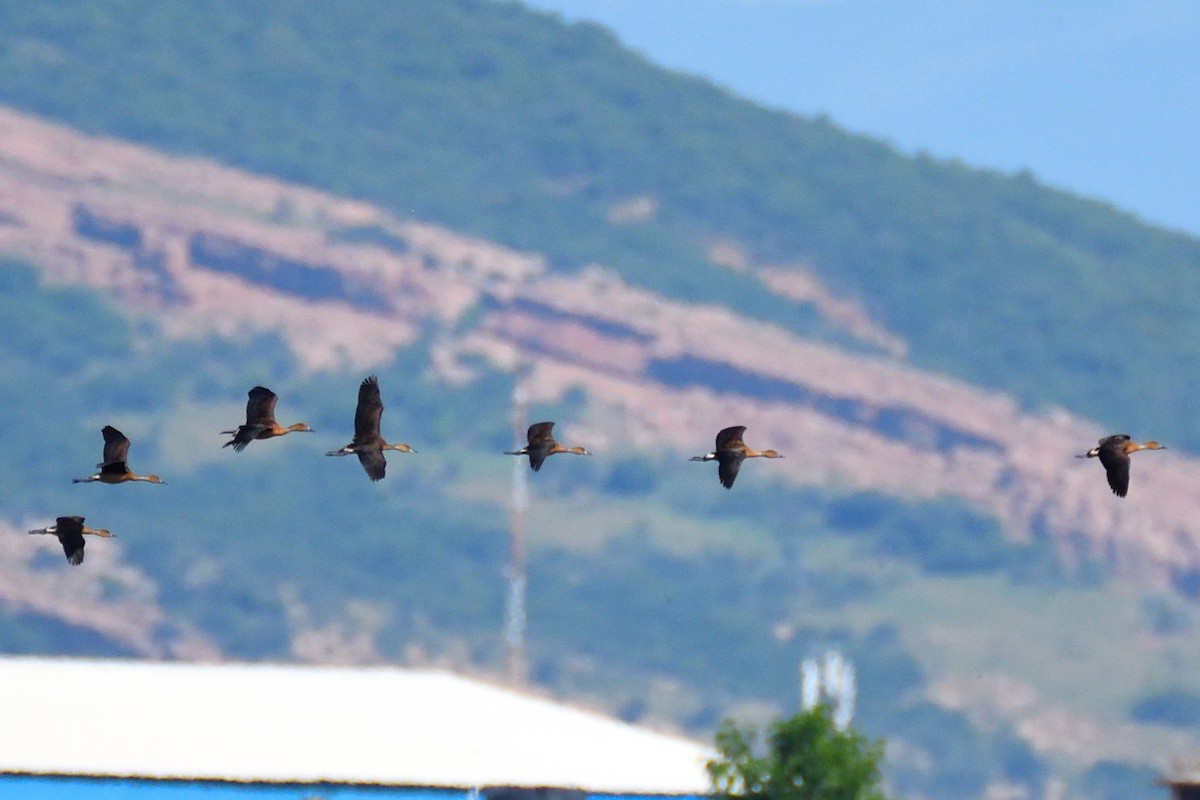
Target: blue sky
(1099,97)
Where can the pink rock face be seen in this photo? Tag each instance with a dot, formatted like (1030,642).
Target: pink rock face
(862,421)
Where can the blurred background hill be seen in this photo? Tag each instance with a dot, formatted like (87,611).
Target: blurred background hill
(451,194)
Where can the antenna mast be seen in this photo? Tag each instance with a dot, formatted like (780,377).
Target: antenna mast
(514,573)
(830,680)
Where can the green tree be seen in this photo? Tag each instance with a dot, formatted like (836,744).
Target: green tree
(806,758)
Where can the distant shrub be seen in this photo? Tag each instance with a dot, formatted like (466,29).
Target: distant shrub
(1166,615)
(944,536)
(632,476)
(1111,780)
(1177,708)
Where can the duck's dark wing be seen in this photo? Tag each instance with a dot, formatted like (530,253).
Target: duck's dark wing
(368,413)
(72,544)
(260,408)
(113,468)
(537,455)
(244,435)
(731,438)
(1116,466)
(116,446)
(728,464)
(70,536)
(372,461)
(540,432)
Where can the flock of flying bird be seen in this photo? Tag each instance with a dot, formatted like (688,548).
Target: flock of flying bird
(369,445)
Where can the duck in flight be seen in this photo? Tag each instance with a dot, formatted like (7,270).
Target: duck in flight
(1113,452)
(541,445)
(730,452)
(70,531)
(260,421)
(113,468)
(368,444)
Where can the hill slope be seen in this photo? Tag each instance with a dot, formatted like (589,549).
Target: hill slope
(347,286)
(664,597)
(504,123)
(665,259)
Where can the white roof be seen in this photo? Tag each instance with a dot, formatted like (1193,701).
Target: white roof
(275,723)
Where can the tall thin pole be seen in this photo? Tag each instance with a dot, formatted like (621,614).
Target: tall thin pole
(514,608)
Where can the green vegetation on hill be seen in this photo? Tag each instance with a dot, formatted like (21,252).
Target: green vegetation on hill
(506,123)
(660,600)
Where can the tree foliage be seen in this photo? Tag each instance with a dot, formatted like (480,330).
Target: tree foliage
(806,758)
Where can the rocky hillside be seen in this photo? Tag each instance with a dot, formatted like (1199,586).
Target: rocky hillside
(467,197)
(190,251)
(203,249)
